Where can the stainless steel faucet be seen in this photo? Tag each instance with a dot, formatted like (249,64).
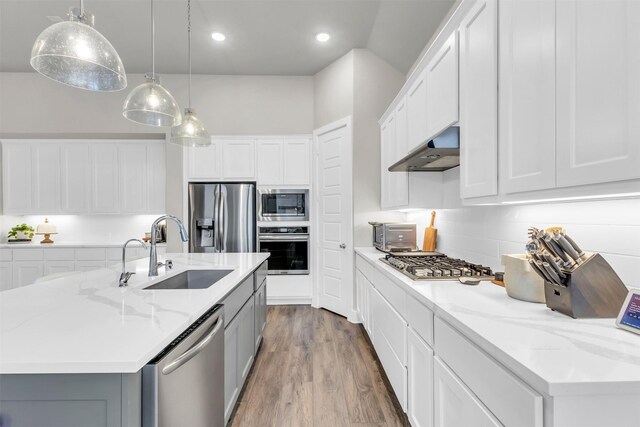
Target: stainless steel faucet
(125,275)
(153,253)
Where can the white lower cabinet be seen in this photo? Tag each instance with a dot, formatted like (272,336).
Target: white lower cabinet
(26,272)
(455,405)
(53,267)
(420,381)
(260,313)
(6,275)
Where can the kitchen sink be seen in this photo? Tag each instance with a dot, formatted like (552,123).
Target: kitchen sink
(191,279)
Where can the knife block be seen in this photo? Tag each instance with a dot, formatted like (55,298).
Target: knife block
(593,290)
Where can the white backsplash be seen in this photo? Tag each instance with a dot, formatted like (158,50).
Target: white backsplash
(88,229)
(481,234)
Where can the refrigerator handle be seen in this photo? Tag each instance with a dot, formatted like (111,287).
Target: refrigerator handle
(223,220)
(216,219)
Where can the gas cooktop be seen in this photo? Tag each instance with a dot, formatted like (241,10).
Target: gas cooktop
(436,267)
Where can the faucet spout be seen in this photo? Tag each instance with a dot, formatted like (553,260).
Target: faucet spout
(153,253)
(124,275)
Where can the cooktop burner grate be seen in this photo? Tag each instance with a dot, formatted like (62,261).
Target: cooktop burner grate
(436,267)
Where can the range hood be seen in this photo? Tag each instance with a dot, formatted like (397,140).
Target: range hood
(437,155)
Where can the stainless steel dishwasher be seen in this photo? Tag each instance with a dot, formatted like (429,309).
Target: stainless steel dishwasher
(184,384)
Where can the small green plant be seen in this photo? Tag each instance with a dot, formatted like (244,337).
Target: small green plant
(23,228)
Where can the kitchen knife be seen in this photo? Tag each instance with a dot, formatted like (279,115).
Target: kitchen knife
(566,246)
(552,273)
(554,264)
(556,249)
(574,244)
(537,269)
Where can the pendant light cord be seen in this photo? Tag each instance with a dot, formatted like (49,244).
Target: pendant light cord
(153,43)
(189,45)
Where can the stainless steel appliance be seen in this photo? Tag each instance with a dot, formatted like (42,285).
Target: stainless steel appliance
(435,267)
(222,217)
(394,237)
(439,154)
(184,384)
(283,205)
(289,249)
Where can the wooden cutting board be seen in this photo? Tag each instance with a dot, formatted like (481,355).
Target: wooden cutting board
(430,235)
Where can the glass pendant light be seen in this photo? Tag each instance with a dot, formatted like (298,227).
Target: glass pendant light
(76,54)
(150,103)
(191,132)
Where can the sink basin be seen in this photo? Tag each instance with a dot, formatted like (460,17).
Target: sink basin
(191,279)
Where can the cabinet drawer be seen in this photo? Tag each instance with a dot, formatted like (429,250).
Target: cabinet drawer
(28,255)
(57,254)
(89,265)
(391,325)
(5,254)
(506,396)
(91,254)
(236,299)
(260,275)
(392,292)
(420,318)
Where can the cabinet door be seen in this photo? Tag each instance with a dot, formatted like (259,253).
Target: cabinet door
(260,313)
(246,340)
(231,380)
(366,304)
(204,162)
(417,131)
(478,101)
(53,267)
(75,179)
(527,96)
(359,294)
(420,381)
(270,162)
(442,87)
(6,275)
(387,139)
(105,197)
(598,91)
(16,178)
(156,175)
(45,182)
(239,159)
(297,161)
(401,179)
(89,265)
(455,405)
(26,272)
(132,165)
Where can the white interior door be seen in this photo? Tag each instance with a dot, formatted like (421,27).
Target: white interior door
(334,221)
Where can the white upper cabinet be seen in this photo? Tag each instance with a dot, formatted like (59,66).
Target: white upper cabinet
(598,91)
(75,178)
(478,101)
(239,159)
(284,161)
(402,130)
(527,95)
(16,178)
(132,157)
(387,139)
(80,177)
(204,162)
(442,88)
(417,112)
(297,162)
(105,180)
(270,162)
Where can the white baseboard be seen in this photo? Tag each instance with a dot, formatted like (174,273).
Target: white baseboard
(288,300)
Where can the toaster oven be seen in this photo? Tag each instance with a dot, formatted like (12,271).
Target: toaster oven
(394,237)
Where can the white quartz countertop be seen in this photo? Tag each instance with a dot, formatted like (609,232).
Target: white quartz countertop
(553,353)
(85,323)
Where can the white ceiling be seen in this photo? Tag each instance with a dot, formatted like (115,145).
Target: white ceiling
(264,37)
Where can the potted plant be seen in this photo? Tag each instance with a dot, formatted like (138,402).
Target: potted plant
(21,232)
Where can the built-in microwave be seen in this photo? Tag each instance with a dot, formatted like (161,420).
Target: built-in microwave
(283,205)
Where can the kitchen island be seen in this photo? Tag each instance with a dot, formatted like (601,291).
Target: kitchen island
(74,346)
(518,363)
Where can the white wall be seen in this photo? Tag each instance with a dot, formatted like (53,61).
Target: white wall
(93,229)
(482,234)
(333,91)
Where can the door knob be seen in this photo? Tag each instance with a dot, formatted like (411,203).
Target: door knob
(342,246)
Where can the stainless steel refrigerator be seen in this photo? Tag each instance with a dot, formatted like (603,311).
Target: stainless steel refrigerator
(222,217)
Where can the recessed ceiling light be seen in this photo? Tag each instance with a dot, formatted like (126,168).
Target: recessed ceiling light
(323,37)
(219,37)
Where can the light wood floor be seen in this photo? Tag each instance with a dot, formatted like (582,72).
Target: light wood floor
(315,369)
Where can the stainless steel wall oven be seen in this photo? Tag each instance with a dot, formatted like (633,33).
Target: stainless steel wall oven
(289,248)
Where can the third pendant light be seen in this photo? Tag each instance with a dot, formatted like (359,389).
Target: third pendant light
(191,132)
(150,103)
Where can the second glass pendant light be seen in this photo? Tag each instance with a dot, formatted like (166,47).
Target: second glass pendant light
(150,103)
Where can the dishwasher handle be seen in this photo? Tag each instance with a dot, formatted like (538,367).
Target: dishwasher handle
(194,350)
